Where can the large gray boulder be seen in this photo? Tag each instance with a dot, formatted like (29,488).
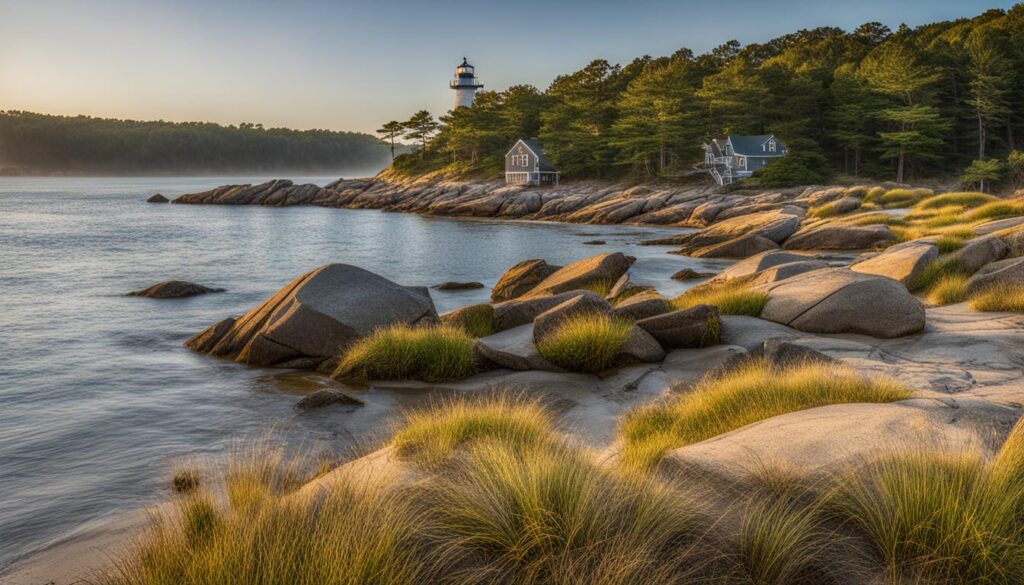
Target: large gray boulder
(519,279)
(522,311)
(1004,272)
(902,262)
(980,251)
(640,347)
(317,316)
(839,300)
(641,306)
(596,269)
(697,326)
(788,270)
(839,237)
(740,247)
(548,321)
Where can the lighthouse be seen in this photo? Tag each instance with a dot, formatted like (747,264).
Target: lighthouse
(465,84)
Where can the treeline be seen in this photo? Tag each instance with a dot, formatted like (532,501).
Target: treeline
(37,143)
(933,101)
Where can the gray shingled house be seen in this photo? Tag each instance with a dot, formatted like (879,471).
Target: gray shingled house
(527,164)
(736,157)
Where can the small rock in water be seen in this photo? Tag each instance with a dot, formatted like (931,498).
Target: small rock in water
(172,289)
(690,274)
(459,285)
(326,397)
(158,198)
(595,242)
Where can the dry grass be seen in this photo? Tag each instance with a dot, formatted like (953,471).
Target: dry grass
(941,517)
(429,436)
(586,342)
(941,268)
(732,297)
(898,198)
(995,210)
(999,298)
(600,287)
(401,352)
(753,391)
(960,201)
(949,289)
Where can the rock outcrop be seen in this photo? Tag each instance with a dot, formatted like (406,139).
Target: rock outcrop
(1004,272)
(758,263)
(839,300)
(603,268)
(315,318)
(173,289)
(980,251)
(832,236)
(902,262)
(522,311)
(158,198)
(698,326)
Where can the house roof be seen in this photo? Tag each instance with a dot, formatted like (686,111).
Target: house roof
(751,145)
(538,151)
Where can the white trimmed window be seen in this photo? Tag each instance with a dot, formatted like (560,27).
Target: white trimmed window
(771,146)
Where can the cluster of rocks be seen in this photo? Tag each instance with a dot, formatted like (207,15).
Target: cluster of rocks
(533,298)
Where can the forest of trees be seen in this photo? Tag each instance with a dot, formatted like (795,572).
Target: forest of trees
(943,100)
(42,144)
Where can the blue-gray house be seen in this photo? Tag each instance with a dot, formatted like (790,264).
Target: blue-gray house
(736,157)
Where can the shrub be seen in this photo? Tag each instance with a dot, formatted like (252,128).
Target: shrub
(586,342)
(996,210)
(999,297)
(401,352)
(475,320)
(185,481)
(799,167)
(732,297)
(936,270)
(961,201)
(941,517)
(951,288)
(753,391)
(430,435)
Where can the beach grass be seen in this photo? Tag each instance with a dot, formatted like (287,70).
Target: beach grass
(948,289)
(999,298)
(732,297)
(476,320)
(403,352)
(936,270)
(957,200)
(585,342)
(751,392)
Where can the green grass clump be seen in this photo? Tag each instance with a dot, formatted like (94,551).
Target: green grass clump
(475,320)
(552,515)
(430,435)
(600,287)
(996,210)
(949,243)
(732,297)
(874,193)
(876,219)
(586,342)
(941,517)
(753,391)
(949,289)
(899,198)
(998,298)
(958,200)
(401,352)
(936,270)
(781,541)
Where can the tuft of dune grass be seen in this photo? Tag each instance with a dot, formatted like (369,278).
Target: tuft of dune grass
(753,391)
(941,517)
(475,320)
(600,287)
(402,352)
(732,297)
(995,210)
(936,270)
(876,219)
(998,298)
(948,289)
(429,436)
(964,200)
(587,342)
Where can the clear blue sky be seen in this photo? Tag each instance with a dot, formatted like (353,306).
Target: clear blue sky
(348,65)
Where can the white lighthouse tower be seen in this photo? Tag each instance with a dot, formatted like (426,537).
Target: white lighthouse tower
(465,84)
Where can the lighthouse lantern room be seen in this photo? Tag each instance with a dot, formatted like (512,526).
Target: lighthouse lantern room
(465,84)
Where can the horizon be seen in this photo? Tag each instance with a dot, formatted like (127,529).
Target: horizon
(193,63)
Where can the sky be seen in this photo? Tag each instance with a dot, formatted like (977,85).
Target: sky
(344,65)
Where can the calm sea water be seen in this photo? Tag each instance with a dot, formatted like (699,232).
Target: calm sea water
(98,398)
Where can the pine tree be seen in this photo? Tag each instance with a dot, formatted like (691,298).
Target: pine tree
(989,88)
(390,131)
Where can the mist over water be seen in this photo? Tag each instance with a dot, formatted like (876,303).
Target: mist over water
(98,398)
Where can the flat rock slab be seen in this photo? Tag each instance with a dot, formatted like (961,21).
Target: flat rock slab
(514,349)
(902,262)
(839,300)
(839,237)
(759,262)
